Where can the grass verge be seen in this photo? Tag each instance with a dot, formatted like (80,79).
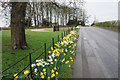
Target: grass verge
(116,29)
(34,41)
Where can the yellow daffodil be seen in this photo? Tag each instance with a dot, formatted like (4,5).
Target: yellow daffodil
(62,43)
(57,45)
(47,60)
(42,76)
(54,68)
(62,50)
(16,77)
(44,70)
(64,54)
(57,54)
(56,73)
(72,60)
(49,52)
(44,73)
(69,66)
(41,73)
(52,48)
(53,74)
(70,57)
(48,78)
(26,72)
(52,71)
(66,62)
(69,47)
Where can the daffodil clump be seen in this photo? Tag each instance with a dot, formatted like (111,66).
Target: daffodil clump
(59,59)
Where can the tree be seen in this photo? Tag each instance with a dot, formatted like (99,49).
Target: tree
(18,11)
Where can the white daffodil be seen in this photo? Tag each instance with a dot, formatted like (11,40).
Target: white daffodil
(55,60)
(63,60)
(38,60)
(50,57)
(35,70)
(33,65)
(38,64)
(47,63)
(53,55)
(51,62)
(42,59)
(43,65)
(65,50)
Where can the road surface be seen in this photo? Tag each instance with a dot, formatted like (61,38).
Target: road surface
(96,54)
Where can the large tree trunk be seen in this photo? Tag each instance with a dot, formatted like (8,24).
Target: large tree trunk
(18,40)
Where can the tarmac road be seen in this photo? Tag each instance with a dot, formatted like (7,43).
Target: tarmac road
(96,54)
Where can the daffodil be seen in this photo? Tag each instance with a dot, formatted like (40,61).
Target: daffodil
(41,73)
(53,75)
(49,52)
(16,77)
(64,54)
(69,47)
(42,76)
(54,68)
(62,43)
(69,66)
(26,72)
(48,78)
(62,50)
(70,57)
(44,70)
(57,54)
(72,60)
(56,73)
(44,73)
(52,48)
(52,71)
(66,62)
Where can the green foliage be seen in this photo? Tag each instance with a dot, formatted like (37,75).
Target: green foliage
(108,24)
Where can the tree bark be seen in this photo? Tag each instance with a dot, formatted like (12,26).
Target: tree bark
(51,8)
(18,11)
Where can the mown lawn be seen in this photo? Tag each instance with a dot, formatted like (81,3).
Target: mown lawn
(34,41)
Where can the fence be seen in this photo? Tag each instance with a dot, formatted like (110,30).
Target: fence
(43,54)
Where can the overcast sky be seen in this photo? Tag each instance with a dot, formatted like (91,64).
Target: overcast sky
(103,10)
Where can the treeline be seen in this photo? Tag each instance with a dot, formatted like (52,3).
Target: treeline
(108,24)
(53,13)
